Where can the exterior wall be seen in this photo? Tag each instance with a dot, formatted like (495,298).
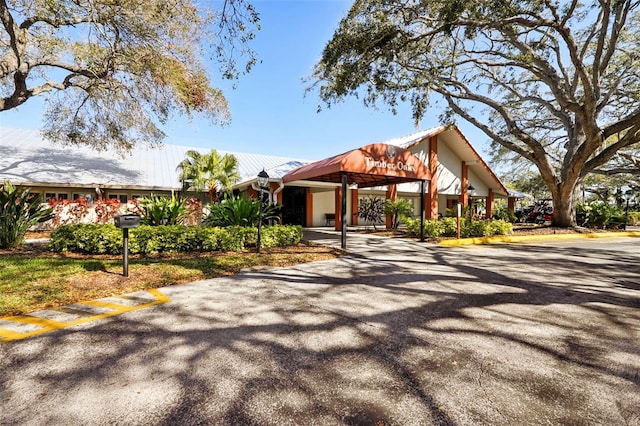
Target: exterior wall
(449,172)
(449,169)
(481,190)
(323,202)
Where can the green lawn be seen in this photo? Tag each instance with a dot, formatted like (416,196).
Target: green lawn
(31,282)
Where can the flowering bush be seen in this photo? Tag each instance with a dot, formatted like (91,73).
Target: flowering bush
(67,212)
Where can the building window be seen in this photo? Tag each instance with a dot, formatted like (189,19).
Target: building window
(58,196)
(120,197)
(86,196)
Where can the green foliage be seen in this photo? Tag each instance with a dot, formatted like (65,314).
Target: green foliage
(432,228)
(156,211)
(19,211)
(371,210)
(446,227)
(527,91)
(601,215)
(241,211)
(465,211)
(107,239)
(86,238)
(144,62)
(499,227)
(208,172)
(397,210)
(503,213)
(450,226)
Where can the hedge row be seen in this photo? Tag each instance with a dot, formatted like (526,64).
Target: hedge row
(107,239)
(446,227)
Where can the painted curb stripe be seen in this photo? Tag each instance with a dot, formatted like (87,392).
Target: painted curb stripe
(526,238)
(48,325)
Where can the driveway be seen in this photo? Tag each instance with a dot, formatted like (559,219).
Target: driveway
(394,333)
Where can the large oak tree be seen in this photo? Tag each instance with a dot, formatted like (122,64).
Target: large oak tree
(114,70)
(554,81)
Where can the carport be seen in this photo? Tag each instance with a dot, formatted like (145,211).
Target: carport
(369,166)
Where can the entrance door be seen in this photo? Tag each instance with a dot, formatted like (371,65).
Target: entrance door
(294,205)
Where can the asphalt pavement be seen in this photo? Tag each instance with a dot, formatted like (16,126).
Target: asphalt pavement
(393,333)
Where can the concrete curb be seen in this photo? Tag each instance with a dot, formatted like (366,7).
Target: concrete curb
(528,238)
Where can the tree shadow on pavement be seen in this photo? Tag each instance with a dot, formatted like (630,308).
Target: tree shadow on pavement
(423,335)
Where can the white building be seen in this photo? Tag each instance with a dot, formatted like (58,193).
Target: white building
(445,162)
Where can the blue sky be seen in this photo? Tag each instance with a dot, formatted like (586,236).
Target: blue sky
(269,110)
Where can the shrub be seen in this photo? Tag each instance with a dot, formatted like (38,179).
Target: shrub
(371,209)
(397,210)
(432,228)
(504,214)
(601,215)
(281,236)
(87,238)
(107,239)
(499,227)
(156,211)
(447,227)
(450,226)
(473,228)
(19,211)
(240,211)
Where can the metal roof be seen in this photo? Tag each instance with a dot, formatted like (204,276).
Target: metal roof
(27,158)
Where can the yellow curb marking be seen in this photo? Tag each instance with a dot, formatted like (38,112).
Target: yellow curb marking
(51,325)
(525,238)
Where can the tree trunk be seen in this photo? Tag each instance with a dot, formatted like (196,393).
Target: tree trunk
(564,205)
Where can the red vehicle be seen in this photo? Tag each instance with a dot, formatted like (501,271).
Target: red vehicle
(540,212)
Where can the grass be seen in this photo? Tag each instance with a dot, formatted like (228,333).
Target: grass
(34,279)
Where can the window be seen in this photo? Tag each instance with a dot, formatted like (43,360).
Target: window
(120,197)
(87,196)
(59,196)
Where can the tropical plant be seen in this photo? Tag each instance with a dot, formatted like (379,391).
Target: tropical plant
(554,82)
(600,214)
(19,211)
(503,213)
(398,209)
(156,210)
(371,210)
(209,172)
(118,68)
(241,211)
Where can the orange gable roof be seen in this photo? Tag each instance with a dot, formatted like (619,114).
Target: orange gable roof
(368,166)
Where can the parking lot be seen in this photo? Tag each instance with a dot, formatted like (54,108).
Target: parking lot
(395,332)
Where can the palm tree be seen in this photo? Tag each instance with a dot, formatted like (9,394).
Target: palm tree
(208,172)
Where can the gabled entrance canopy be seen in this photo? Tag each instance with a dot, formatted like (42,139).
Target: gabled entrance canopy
(369,166)
(372,165)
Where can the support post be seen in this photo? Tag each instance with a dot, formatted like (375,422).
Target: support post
(459,212)
(125,252)
(343,207)
(422,211)
(259,242)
